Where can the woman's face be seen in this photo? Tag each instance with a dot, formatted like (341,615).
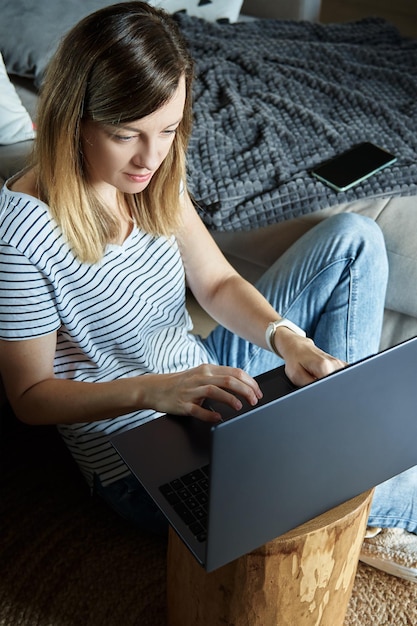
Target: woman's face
(126,157)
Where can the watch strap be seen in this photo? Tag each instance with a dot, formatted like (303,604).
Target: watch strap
(271,330)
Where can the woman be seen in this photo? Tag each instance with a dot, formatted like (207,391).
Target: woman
(99,238)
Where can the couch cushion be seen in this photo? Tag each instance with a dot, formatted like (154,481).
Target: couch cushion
(15,122)
(14,158)
(31,31)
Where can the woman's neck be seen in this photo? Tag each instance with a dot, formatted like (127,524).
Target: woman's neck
(25,183)
(121,210)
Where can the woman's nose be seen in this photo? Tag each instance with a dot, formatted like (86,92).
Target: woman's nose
(147,155)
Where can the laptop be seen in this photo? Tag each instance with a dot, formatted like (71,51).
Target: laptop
(270,468)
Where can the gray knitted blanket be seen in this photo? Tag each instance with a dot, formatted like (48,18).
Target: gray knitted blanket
(274,98)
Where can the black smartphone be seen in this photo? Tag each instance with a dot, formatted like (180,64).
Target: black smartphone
(352,167)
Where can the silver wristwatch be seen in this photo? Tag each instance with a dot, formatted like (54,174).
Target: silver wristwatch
(272,327)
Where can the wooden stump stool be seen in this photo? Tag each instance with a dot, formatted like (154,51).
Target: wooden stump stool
(302,578)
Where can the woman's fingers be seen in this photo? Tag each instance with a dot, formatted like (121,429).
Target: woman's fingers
(184,393)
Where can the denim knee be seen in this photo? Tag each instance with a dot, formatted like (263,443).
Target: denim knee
(364,234)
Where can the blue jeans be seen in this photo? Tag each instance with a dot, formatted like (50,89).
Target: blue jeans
(395,502)
(332,283)
(130,500)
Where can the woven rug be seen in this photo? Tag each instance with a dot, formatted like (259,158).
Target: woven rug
(66,560)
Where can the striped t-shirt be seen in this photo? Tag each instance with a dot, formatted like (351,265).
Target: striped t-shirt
(124,316)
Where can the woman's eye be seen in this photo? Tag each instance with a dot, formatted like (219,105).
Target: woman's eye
(123,138)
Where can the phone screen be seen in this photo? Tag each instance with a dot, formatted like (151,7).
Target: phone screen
(352,167)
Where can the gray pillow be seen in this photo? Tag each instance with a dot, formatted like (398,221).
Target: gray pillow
(30,30)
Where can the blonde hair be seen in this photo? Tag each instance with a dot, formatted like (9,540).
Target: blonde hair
(115,66)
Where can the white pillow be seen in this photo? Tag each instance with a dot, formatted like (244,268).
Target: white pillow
(210,10)
(15,122)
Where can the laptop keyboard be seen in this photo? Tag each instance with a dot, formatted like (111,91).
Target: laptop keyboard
(188,496)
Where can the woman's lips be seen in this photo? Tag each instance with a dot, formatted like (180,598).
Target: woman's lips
(139,178)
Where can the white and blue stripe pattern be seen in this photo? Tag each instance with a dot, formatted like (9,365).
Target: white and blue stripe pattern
(124,316)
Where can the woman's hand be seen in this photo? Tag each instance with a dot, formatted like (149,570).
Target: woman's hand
(183,393)
(304,361)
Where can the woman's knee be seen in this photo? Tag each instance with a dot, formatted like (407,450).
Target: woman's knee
(357,225)
(362,236)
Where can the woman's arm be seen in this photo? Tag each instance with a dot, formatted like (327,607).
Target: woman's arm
(37,397)
(239,306)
